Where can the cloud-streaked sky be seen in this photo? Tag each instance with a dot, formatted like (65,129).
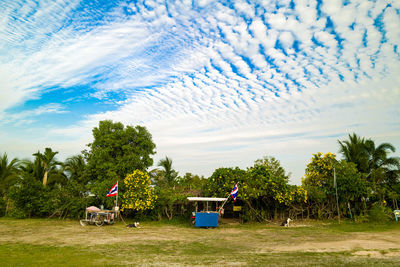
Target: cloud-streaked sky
(217,83)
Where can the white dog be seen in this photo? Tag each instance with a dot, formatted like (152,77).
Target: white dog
(286,223)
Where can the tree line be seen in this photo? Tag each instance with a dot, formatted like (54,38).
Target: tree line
(367,182)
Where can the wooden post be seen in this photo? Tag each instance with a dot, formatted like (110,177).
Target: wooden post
(337,199)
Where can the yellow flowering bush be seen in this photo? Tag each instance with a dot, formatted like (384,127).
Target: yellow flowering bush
(319,171)
(295,195)
(139,195)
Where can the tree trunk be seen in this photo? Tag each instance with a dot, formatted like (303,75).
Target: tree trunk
(169,215)
(159,215)
(258,217)
(45,178)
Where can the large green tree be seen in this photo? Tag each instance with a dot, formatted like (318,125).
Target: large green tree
(115,152)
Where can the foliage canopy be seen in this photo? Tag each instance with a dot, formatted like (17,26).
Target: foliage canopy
(117,151)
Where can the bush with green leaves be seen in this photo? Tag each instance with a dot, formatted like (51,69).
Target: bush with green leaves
(379,213)
(319,182)
(28,198)
(68,201)
(2,206)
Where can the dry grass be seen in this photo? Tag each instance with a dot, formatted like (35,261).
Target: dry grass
(55,242)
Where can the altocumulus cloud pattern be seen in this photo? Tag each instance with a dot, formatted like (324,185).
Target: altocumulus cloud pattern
(218,83)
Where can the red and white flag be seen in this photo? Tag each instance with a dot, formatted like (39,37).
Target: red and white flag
(113,191)
(235,191)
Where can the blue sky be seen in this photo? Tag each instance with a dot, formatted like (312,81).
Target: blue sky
(217,83)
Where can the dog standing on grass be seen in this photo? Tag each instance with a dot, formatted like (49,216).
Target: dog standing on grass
(286,223)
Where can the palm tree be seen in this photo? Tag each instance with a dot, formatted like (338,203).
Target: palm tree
(378,156)
(75,166)
(354,151)
(379,164)
(373,161)
(168,173)
(8,172)
(48,161)
(366,155)
(33,168)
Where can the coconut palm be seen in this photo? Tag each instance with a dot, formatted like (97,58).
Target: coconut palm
(8,172)
(32,168)
(379,164)
(353,150)
(378,155)
(75,166)
(168,173)
(48,161)
(379,169)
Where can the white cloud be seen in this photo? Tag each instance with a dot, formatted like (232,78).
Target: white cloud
(211,85)
(286,39)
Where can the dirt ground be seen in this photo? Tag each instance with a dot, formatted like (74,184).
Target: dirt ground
(268,239)
(365,244)
(299,238)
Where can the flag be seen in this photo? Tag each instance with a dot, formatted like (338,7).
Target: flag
(113,191)
(235,191)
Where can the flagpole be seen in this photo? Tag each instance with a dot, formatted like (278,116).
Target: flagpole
(224,203)
(226,200)
(337,199)
(116,202)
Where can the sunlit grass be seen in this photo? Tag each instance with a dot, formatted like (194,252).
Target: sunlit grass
(51,242)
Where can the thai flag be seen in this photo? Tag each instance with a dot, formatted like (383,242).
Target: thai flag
(235,191)
(113,191)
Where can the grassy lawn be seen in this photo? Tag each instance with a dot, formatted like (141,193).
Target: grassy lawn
(46,242)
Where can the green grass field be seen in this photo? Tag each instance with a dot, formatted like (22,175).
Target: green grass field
(45,242)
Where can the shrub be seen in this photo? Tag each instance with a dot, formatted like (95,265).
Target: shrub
(361,218)
(379,213)
(139,195)
(27,198)
(2,206)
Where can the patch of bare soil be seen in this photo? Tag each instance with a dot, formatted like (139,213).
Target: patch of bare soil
(376,254)
(363,242)
(93,235)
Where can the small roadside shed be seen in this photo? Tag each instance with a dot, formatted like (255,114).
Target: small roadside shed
(206,210)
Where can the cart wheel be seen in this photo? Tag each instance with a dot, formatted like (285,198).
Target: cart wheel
(99,220)
(83,223)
